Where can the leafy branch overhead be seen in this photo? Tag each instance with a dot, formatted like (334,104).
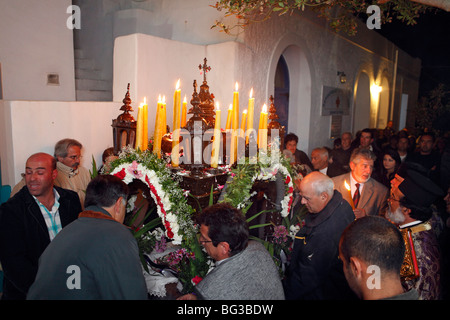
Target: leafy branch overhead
(341,15)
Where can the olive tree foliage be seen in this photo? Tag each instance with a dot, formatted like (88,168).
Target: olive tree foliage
(342,15)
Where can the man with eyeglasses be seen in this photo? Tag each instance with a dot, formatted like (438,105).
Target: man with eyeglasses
(412,196)
(71,175)
(244,270)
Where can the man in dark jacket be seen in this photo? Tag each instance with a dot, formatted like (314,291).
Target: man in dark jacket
(95,257)
(30,220)
(315,272)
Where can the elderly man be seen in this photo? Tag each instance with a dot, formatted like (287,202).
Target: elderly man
(315,272)
(368,196)
(341,157)
(410,208)
(30,220)
(96,257)
(244,269)
(71,175)
(320,158)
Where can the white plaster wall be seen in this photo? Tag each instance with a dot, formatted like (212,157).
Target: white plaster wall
(153,65)
(28,127)
(34,41)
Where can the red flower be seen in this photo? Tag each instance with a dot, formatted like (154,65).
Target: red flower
(121,174)
(288,179)
(196,280)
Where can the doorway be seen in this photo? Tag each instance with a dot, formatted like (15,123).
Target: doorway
(281,98)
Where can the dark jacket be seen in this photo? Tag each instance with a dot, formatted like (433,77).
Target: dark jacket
(315,271)
(94,258)
(24,236)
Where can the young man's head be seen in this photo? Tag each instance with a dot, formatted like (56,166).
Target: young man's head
(370,247)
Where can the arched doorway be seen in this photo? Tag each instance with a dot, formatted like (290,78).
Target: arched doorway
(361,106)
(300,71)
(281,96)
(383,108)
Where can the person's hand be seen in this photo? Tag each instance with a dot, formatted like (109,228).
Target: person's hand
(359,213)
(188,296)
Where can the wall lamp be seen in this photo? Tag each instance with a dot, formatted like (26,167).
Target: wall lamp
(342,76)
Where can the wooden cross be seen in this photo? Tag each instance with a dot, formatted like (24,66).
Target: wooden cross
(205,69)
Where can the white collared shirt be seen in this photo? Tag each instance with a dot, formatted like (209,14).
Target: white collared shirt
(52,218)
(353,186)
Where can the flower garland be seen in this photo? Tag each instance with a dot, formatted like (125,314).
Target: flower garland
(170,201)
(268,167)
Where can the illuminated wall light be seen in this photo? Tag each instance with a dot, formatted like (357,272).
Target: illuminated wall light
(375,89)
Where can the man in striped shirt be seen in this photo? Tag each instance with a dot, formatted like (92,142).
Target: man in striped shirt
(30,220)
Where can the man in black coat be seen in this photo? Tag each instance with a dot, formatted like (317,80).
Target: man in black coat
(315,272)
(29,221)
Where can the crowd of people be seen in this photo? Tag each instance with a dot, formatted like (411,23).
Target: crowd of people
(392,176)
(363,198)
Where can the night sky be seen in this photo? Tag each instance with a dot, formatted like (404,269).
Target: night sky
(428,40)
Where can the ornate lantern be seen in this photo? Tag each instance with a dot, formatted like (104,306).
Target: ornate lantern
(124,127)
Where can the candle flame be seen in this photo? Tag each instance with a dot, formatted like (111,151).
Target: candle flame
(347,186)
(245,111)
(145,100)
(164,99)
(178,84)
(236,86)
(217,105)
(251,93)
(184,100)
(264,108)
(230,107)
(159,98)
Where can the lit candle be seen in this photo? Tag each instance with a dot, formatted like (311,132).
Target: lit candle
(229,115)
(216,141)
(263,128)
(184,113)
(145,125)
(160,126)
(251,110)
(176,126)
(235,124)
(243,121)
(347,186)
(139,127)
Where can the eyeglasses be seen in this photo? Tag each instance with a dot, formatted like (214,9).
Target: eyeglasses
(75,157)
(393,199)
(202,242)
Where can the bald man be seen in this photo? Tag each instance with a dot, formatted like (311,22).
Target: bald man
(30,220)
(315,272)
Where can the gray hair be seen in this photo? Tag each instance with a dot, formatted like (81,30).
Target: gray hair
(320,183)
(359,153)
(322,151)
(63,145)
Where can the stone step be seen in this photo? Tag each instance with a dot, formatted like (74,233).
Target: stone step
(78,53)
(91,84)
(83,63)
(93,95)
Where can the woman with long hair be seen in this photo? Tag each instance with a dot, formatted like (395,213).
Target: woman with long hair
(390,163)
